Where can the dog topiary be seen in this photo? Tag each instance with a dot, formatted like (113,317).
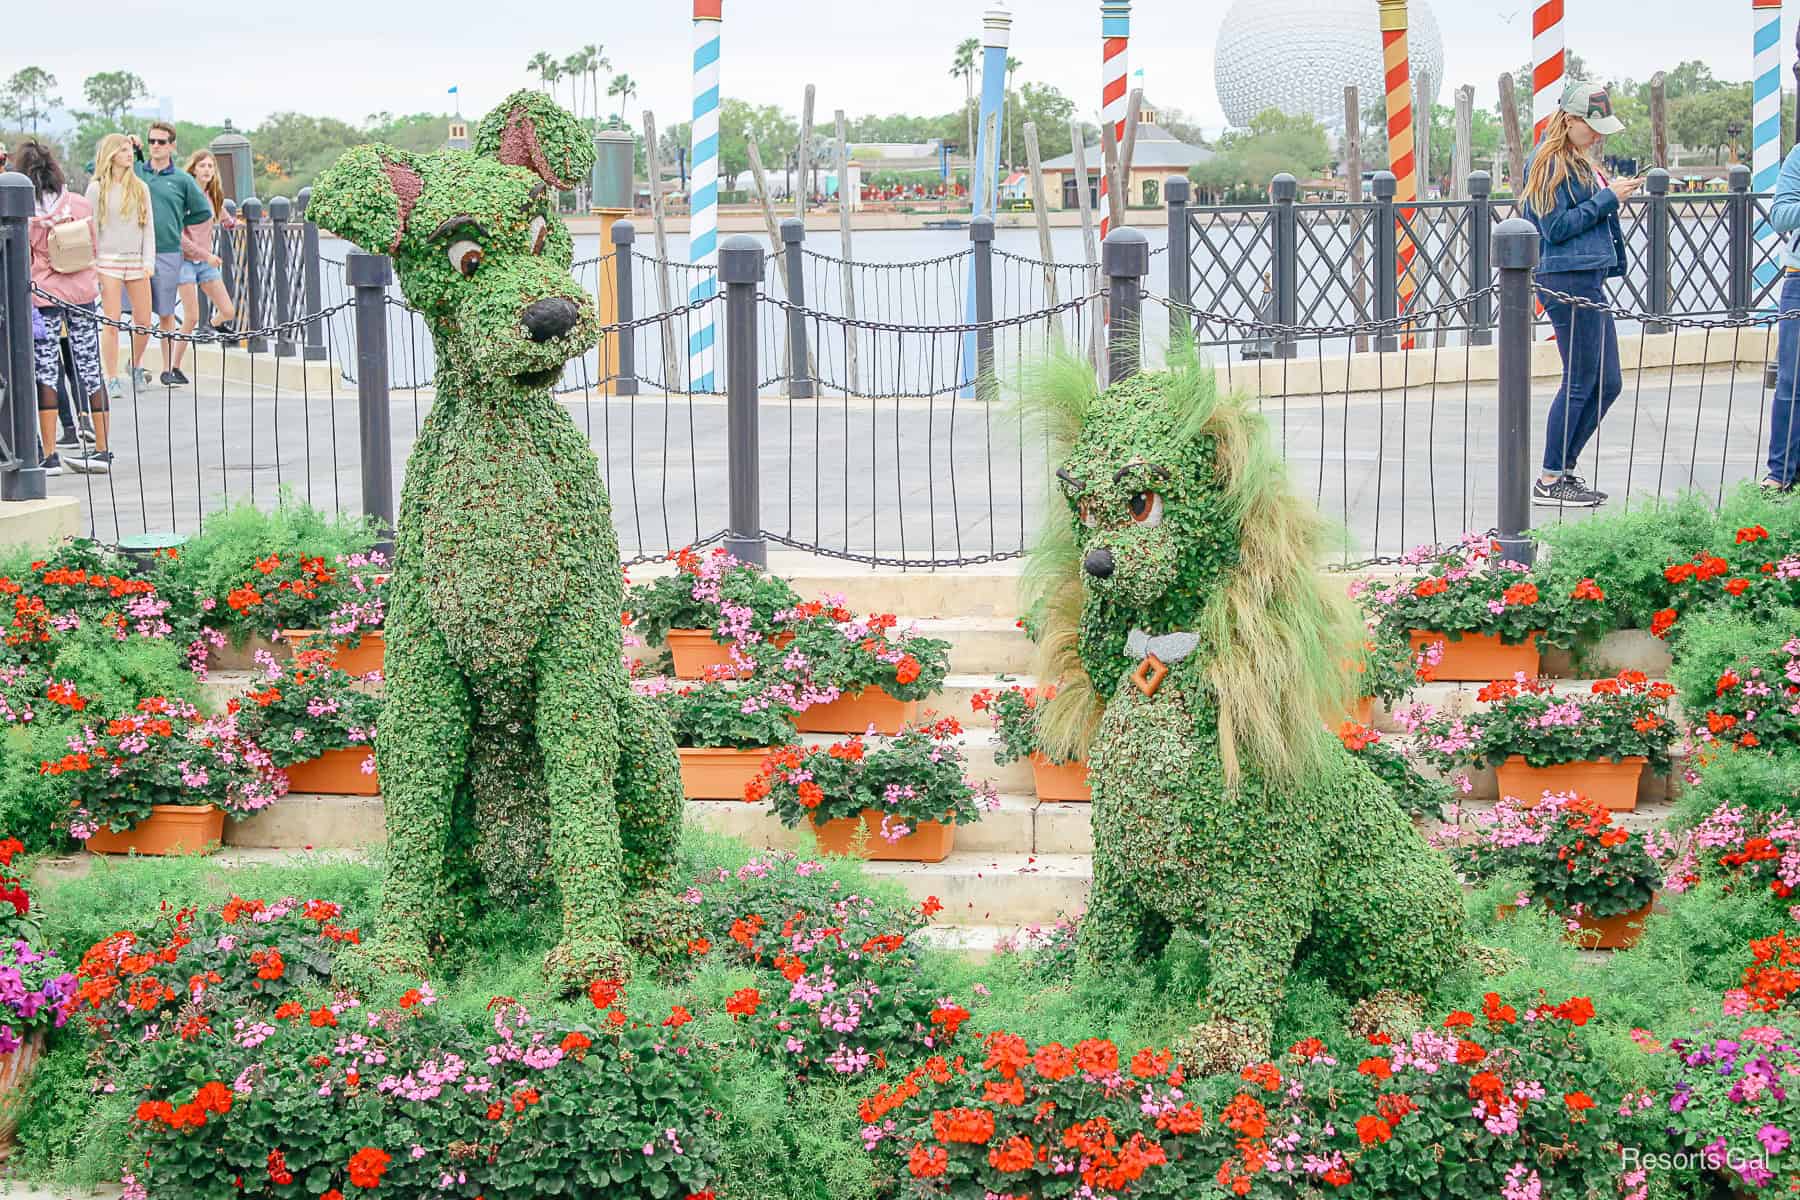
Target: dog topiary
(1200,655)
(508,709)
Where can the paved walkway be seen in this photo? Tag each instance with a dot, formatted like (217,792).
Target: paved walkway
(937,478)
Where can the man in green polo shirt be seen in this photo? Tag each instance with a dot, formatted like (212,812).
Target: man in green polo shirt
(176,201)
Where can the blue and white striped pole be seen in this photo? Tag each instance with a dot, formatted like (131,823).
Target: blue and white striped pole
(1765,143)
(703,196)
(996,36)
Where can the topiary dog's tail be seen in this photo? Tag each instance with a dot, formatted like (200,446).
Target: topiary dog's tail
(1283,635)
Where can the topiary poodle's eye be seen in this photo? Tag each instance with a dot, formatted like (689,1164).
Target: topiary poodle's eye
(540,233)
(465,256)
(1147,508)
(1085,510)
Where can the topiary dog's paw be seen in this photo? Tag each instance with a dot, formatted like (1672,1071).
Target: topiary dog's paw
(366,967)
(576,962)
(1223,1046)
(1493,961)
(1397,1014)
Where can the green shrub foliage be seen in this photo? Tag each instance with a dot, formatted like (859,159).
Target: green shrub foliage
(507,703)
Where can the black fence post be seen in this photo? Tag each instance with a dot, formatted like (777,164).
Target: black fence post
(280,210)
(624,306)
(793,250)
(309,266)
(1124,260)
(225,246)
(1481,257)
(741,271)
(369,276)
(254,308)
(1740,224)
(1516,255)
(18,202)
(1176,190)
(1656,271)
(981,239)
(1284,189)
(1386,284)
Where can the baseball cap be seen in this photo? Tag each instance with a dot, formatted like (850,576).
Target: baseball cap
(1593,104)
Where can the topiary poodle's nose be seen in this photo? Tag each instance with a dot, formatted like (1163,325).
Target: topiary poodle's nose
(545,319)
(1098,562)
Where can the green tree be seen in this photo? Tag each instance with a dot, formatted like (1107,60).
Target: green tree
(1051,112)
(110,95)
(1246,160)
(541,62)
(26,99)
(1703,120)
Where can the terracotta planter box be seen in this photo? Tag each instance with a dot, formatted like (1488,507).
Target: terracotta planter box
(1600,933)
(1364,712)
(169,829)
(854,714)
(367,653)
(1060,782)
(1613,784)
(711,773)
(334,773)
(930,841)
(696,651)
(1479,657)
(15,1077)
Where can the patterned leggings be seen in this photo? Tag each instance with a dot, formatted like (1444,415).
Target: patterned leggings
(84,344)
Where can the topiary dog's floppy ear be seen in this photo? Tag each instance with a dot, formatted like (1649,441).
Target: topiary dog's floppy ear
(367,195)
(529,130)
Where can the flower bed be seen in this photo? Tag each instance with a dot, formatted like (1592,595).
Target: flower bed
(730,605)
(313,721)
(34,985)
(722,733)
(1014,714)
(913,782)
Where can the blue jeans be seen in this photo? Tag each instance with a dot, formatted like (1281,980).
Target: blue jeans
(1589,344)
(1784,438)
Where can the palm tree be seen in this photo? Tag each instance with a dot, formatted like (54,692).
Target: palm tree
(964,65)
(624,87)
(553,73)
(575,67)
(596,63)
(541,63)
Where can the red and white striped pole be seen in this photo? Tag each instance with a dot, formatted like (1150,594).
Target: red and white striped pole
(1402,159)
(1548,62)
(1115,39)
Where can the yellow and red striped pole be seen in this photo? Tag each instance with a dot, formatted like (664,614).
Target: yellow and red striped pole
(1548,63)
(1401,159)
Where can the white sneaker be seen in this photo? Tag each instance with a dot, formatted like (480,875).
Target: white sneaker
(144,378)
(92,462)
(115,388)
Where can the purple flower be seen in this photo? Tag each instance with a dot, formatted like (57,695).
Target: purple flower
(1774,1138)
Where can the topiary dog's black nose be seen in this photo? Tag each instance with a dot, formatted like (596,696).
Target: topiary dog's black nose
(545,319)
(1098,562)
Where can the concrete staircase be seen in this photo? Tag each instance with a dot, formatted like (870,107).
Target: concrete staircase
(1023,864)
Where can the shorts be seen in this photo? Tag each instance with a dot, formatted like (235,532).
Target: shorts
(84,347)
(197,272)
(164,283)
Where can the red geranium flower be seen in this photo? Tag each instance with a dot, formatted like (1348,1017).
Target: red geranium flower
(367,1166)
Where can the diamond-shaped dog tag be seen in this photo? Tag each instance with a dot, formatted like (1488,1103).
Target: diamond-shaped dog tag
(1150,674)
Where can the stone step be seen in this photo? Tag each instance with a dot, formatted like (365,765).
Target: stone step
(312,822)
(996,889)
(1008,828)
(981,645)
(1461,699)
(982,591)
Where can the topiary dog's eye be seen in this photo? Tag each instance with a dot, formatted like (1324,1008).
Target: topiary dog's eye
(465,256)
(1147,508)
(1084,509)
(540,233)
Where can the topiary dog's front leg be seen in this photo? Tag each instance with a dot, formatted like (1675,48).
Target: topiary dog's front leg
(421,752)
(578,730)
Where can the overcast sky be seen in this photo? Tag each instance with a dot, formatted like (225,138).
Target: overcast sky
(348,58)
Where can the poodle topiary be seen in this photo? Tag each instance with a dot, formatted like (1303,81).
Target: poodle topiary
(509,721)
(1201,655)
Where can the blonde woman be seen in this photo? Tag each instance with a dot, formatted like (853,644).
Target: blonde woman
(1577,212)
(127,256)
(200,265)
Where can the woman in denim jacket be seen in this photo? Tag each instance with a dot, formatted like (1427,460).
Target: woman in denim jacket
(1577,213)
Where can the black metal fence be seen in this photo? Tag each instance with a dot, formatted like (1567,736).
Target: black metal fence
(876,437)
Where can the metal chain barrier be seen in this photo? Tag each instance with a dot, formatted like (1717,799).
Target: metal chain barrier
(1755,321)
(193,339)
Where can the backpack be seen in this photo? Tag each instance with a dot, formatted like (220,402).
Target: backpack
(71,245)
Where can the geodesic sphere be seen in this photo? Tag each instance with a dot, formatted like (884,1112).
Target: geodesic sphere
(1299,56)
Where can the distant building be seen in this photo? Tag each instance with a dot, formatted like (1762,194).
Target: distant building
(1156,156)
